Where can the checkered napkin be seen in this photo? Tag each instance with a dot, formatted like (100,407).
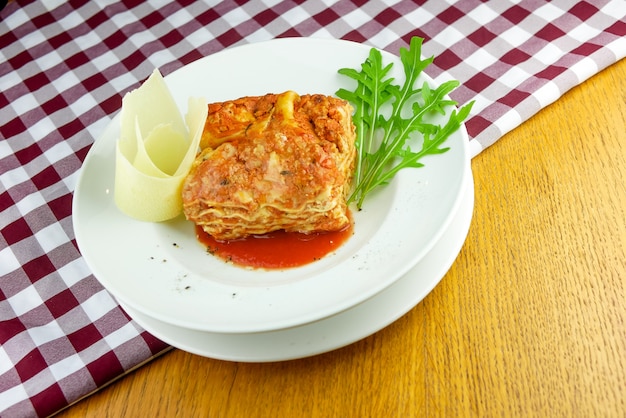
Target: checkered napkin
(65,66)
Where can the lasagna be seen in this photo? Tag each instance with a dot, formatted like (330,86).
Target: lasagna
(272,162)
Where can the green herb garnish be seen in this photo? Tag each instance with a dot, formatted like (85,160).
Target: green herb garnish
(382,137)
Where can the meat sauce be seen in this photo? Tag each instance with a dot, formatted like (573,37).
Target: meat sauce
(275,250)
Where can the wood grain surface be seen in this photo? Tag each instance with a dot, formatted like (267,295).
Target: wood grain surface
(530,320)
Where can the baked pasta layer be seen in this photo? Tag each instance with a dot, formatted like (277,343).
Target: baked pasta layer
(279,161)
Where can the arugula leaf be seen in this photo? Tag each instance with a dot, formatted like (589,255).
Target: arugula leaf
(381,140)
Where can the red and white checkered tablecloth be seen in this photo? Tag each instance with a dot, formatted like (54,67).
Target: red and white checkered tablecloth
(65,66)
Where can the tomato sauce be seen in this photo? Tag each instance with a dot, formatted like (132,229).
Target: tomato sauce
(275,250)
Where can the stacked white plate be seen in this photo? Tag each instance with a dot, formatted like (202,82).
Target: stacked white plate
(405,238)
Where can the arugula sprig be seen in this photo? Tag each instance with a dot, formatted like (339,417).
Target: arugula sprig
(381,141)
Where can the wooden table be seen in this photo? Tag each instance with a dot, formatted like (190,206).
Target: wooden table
(529,321)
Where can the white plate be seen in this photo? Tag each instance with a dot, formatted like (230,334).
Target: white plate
(160,270)
(334,332)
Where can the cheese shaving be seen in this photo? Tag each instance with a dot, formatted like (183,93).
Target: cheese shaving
(155,150)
